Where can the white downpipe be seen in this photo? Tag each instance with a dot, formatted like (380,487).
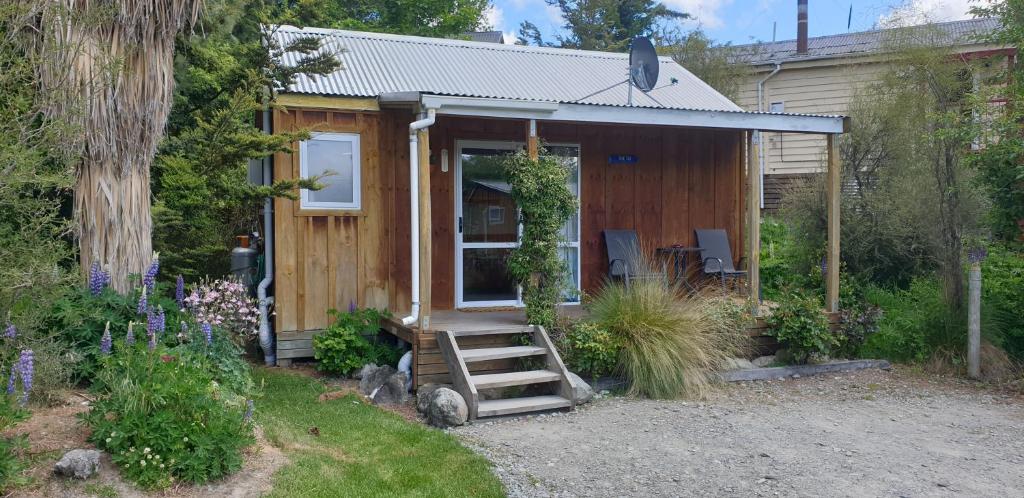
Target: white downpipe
(414,210)
(266,337)
(760,108)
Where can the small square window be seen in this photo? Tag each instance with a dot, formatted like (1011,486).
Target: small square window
(335,155)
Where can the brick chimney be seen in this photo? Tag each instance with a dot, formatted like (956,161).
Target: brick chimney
(801,26)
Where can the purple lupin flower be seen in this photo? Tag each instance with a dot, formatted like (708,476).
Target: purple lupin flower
(351,306)
(208,332)
(161,320)
(97,279)
(250,408)
(149,279)
(976,254)
(10,332)
(106,341)
(151,320)
(179,292)
(26,368)
(12,379)
(824,265)
(130,338)
(143,306)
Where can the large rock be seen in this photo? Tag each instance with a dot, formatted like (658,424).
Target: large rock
(80,464)
(373,378)
(763,361)
(423,395)
(738,364)
(581,391)
(367,368)
(392,391)
(446,408)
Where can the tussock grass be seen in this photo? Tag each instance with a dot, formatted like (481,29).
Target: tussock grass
(672,340)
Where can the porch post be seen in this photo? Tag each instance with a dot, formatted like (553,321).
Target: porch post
(754,225)
(833,197)
(425,229)
(532,148)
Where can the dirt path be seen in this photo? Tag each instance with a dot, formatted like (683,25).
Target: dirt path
(861,434)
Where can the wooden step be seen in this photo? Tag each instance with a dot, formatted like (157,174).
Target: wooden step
(485,354)
(495,407)
(491,381)
(523,329)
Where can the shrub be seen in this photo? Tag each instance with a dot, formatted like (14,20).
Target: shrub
(914,324)
(13,447)
(588,349)
(343,346)
(1002,294)
(800,326)
(225,304)
(856,325)
(540,189)
(162,417)
(670,340)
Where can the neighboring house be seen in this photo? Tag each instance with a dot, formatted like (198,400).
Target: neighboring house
(421,222)
(823,79)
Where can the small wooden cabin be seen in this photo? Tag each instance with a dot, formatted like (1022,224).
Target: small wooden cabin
(412,127)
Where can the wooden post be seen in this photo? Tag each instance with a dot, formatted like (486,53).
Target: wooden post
(532,149)
(754,225)
(974,322)
(834,193)
(425,229)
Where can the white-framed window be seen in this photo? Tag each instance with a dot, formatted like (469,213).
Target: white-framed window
(336,156)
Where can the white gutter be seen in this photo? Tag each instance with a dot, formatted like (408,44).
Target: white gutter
(414,209)
(266,337)
(760,108)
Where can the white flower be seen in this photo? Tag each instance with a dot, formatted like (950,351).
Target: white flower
(142,463)
(108,439)
(146,450)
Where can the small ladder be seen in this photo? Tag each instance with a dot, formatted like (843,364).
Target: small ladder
(554,372)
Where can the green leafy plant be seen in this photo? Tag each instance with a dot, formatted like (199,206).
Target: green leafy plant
(801,327)
(541,192)
(162,417)
(671,342)
(12,448)
(344,347)
(588,349)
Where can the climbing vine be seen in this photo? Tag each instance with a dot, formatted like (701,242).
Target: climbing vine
(540,190)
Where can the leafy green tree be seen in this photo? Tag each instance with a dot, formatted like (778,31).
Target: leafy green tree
(434,18)
(605,25)
(709,61)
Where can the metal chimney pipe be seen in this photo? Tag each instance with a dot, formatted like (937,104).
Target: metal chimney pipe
(801,26)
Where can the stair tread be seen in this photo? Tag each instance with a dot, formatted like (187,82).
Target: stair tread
(489,381)
(521,329)
(496,407)
(484,354)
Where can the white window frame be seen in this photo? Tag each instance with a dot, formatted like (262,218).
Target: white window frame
(357,167)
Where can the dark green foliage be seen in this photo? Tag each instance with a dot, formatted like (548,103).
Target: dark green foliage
(713,63)
(433,18)
(541,192)
(162,418)
(344,347)
(605,25)
(915,322)
(13,447)
(801,327)
(589,350)
(856,325)
(1002,297)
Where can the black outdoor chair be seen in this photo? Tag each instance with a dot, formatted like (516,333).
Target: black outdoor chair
(623,249)
(716,256)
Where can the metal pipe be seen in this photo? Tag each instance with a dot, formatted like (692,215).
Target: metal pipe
(760,108)
(414,209)
(266,336)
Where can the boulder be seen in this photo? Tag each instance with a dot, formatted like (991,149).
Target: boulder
(446,408)
(367,368)
(423,395)
(581,391)
(373,378)
(392,391)
(738,364)
(763,361)
(80,464)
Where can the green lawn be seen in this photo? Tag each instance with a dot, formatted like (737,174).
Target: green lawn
(361,451)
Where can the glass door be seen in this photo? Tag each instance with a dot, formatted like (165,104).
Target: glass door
(487,226)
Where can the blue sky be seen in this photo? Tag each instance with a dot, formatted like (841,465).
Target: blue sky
(744,21)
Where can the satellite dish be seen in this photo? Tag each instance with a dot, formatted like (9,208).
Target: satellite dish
(643,64)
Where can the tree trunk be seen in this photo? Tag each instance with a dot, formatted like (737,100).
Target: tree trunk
(113,216)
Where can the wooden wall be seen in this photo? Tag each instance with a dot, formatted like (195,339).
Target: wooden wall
(684,179)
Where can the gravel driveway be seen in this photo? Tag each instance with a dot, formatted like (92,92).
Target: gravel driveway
(868,433)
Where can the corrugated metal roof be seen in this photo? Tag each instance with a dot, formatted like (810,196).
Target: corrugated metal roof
(375,63)
(945,34)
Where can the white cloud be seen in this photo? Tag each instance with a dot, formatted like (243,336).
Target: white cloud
(912,12)
(706,12)
(494,17)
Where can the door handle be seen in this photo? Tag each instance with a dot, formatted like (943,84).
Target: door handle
(460,224)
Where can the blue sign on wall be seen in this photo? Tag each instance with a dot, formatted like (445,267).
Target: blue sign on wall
(622,159)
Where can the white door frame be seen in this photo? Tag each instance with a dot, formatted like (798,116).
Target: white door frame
(460,301)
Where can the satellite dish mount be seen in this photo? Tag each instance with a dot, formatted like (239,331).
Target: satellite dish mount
(643,66)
